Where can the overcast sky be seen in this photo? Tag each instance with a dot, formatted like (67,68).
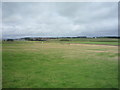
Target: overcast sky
(22,19)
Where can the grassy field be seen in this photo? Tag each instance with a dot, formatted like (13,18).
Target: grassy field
(103,41)
(32,64)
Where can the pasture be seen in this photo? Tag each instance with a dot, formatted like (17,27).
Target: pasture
(55,64)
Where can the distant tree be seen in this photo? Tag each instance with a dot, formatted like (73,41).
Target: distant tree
(27,38)
(10,40)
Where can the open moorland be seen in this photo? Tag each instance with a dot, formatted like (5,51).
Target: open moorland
(56,63)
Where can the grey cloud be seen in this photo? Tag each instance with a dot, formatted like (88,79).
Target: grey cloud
(59,19)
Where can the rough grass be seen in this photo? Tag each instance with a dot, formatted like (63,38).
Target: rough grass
(59,65)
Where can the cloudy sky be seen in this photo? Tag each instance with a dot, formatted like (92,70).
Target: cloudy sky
(21,19)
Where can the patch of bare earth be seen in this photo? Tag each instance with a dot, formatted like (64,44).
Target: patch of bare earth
(98,51)
(94,45)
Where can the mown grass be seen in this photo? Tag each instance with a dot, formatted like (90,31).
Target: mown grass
(59,65)
(105,41)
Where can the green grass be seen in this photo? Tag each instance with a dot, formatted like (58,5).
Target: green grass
(103,41)
(59,65)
